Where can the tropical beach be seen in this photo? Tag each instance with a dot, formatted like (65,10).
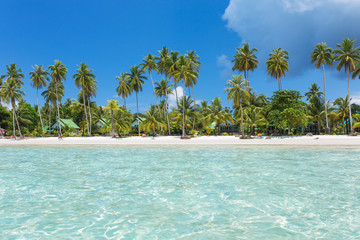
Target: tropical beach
(316,140)
(197,119)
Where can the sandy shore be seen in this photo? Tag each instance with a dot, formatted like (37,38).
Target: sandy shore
(204,140)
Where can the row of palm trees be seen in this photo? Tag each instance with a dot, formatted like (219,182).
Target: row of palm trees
(347,56)
(180,68)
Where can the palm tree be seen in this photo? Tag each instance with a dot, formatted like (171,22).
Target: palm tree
(343,110)
(58,74)
(51,94)
(122,120)
(253,117)
(152,120)
(277,64)
(39,78)
(172,66)
(237,90)
(111,107)
(136,77)
(245,60)
(163,89)
(216,113)
(149,64)
(124,88)
(186,74)
(320,56)
(316,110)
(193,60)
(347,56)
(10,91)
(84,79)
(186,109)
(314,91)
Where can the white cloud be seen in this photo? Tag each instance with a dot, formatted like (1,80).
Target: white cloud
(294,25)
(172,97)
(224,62)
(355,98)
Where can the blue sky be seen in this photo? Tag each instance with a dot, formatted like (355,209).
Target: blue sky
(111,36)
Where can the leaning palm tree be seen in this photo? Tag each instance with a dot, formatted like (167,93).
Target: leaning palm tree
(152,120)
(320,56)
(186,74)
(163,89)
(137,79)
(58,74)
(83,80)
(39,78)
(149,64)
(347,56)
(10,90)
(124,88)
(277,64)
(245,60)
(111,107)
(238,91)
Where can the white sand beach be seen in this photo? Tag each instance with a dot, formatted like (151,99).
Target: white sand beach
(321,140)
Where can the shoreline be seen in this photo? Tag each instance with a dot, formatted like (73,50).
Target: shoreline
(300,141)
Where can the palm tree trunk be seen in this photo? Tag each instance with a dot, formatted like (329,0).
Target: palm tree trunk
(248,81)
(89,115)
(49,127)
(58,111)
(37,100)
(242,120)
(124,103)
(326,113)
(194,105)
(137,112)
(176,96)
(351,128)
(183,118)
(167,114)
(84,103)
(112,123)
(13,107)
(17,122)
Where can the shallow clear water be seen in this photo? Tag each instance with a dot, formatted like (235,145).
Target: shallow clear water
(179,193)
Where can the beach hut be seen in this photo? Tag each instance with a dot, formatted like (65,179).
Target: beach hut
(66,123)
(101,123)
(136,122)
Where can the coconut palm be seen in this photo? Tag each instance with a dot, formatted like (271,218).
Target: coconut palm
(320,56)
(163,89)
(83,80)
(186,74)
(245,60)
(342,105)
(10,93)
(39,78)
(316,111)
(347,56)
(314,91)
(10,90)
(137,79)
(152,120)
(124,88)
(58,74)
(111,107)
(193,60)
(172,66)
(122,120)
(253,117)
(185,109)
(149,64)
(357,118)
(277,64)
(217,113)
(238,91)
(51,94)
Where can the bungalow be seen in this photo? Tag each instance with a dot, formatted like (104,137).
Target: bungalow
(136,122)
(65,123)
(101,123)
(230,128)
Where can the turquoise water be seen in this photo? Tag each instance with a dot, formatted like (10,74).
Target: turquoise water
(179,193)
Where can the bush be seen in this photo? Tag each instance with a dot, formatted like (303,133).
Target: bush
(194,132)
(224,134)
